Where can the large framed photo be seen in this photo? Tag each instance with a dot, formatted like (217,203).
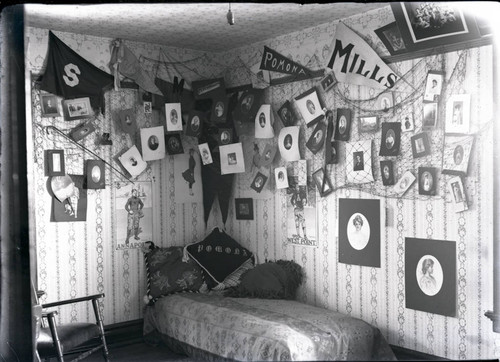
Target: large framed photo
(244,208)
(77,108)
(458,114)
(426,25)
(391,38)
(49,105)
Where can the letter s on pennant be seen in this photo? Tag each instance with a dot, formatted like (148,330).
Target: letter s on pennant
(71,78)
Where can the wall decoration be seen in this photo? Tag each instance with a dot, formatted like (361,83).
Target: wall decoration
(404,183)
(148,107)
(195,121)
(391,139)
(343,129)
(368,124)
(132,161)
(81,131)
(187,180)
(244,208)
(458,195)
(420,145)
(334,157)
(275,62)
(94,175)
(225,136)
(133,213)
(77,108)
(264,122)
(407,123)
(73,206)
(323,183)
(54,163)
(258,182)
(309,107)
(302,228)
(456,154)
(391,38)
(426,25)
(327,82)
(174,144)
(267,156)
(385,102)
(288,143)
(286,114)
(430,276)
(433,86)
(281,177)
(219,109)
(430,115)
(317,138)
(248,105)
(231,158)
(49,104)
(427,181)
(127,121)
(457,114)
(359,232)
(359,162)
(387,172)
(208,88)
(153,143)
(105,139)
(260,78)
(173,117)
(206,156)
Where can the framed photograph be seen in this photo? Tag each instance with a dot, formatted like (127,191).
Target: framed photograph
(231,159)
(309,107)
(404,183)
(153,143)
(173,144)
(368,124)
(244,208)
(264,122)
(343,129)
(267,156)
(127,121)
(258,182)
(427,181)
(322,182)
(433,86)
(407,123)
(288,143)
(281,177)
(54,160)
(317,138)
(430,276)
(358,162)
(195,123)
(425,25)
(391,139)
(359,232)
(248,105)
(49,104)
(456,154)
(458,195)
(430,115)
(286,114)
(225,136)
(173,117)
(334,156)
(206,155)
(391,38)
(327,82)
(95,176)
(387,172)
(77,108)
(132,161)
(81,131)
(148,107)
(219,109)
(420,145)
(458,114)
(385,102)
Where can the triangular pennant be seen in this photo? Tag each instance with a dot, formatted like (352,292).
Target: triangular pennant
(273,61)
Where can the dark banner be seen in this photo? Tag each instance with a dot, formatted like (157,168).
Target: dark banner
(273,61)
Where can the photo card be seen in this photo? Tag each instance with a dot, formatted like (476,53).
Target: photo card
(95,175)
(458,195)
(343,129)
(391,38)
(264,122)
(322,181)
(286,114)
(368,124)
(54,163)
(456,154)
(225,136)
(404,183)
(77,108)
(327,82)
(173,144)
(407,122)
(173,117)
(387,172)
(248,105)
(50,105)
(258,182)
(281,177)
(317,138)
(427,181)
(133,162)
(430,116)
(433,86)
(391,139)
(81,131)
(288,143)
(231,158)
(309,107)
(244,208)
(334,154)
(127,121)
(358,162)
(385,102)
(420,145)
(206,155)
(219,109)
(458,114)
(268,155)
(153,143)
(195,122)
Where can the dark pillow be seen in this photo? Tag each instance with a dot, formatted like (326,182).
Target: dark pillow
(168,272)
(271,280)
(219,255)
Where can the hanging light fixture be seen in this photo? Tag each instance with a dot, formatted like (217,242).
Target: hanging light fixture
(230,16)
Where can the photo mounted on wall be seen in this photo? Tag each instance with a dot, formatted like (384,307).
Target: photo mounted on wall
(302,215)
(433,86)
(420,145)
(430,117)
(77,108)
(127,122)
(206,155)
(458,114)
(153,143)
(391,38)
(54,163)
(391,139)
(49,103)
(359,232)
(368,124)
(195,123)
(343,129)
(219,109)
(427,181)
(458,195)
(407,123)
(456,154)
(94,174)
(208,88)
(231,159)
(173,117)
(243,208)
(385,102)
(387,172)
(281,177)
(133,214)
(248,105)
(404,183)
(309,107)
(187,180)
(73,207)
(225,136)
(323,183)
(286,114)
(81,131)
(334,155)
(327,82)
(317,138)
(358,162)
(430,276)
(288,142)
(264,122)
(258,182)
(268,155)
(133,162)
(173,144)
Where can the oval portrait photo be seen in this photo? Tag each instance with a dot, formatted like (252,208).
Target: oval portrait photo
(153,142)
(358,231)
(287,142)
(96,173)
(429,275)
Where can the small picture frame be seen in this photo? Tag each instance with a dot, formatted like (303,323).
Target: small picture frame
(243,208)
(433,86)
(81,131)
(456,154)
(54,163)
(368,124)
(148,107)
(95,176)
(127,121)
(173,117)
(385,102)
(430,116)
(322,182)
(427,181)
(281,177)
(258,182)
(310,107)
(153,143)
(458,114)
(173,144)
(195,123)
(420,145)
(132,161)
(49,103)
(404,183)
(387,172)
(407,123)
(391,139)
(77,108)
(327,82)
(343,129)
(286,114)
(458,195)
(206,156)
(219,110)
(317,137)
(225,136)
(105,139)
(391,38)
(231,158)
(334,156)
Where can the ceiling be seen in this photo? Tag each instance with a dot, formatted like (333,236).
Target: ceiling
(198,26)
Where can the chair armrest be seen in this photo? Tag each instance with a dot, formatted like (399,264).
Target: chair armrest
(48,313)
(74,300)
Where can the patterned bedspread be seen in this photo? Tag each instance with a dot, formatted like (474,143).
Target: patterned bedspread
(264,329)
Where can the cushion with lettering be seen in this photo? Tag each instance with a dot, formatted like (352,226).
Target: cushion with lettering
(219,255)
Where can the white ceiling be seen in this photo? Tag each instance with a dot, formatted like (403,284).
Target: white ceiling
(199,26)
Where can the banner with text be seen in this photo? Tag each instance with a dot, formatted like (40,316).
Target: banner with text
(275,62)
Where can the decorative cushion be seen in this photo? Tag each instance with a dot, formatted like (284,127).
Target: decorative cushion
(234,278)
(219,255)
(168,272)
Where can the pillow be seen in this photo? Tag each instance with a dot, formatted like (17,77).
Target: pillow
(168,272)
(219,255)
(271,280)
(234,278)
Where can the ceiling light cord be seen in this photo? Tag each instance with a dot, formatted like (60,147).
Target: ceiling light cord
(230,16)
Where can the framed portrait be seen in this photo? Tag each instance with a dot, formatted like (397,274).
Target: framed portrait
(358,162)
(127,121)
(225,136)
(264,122)
(173,144)
(81,131)
(288,143)
(148,107)
(286,114)
(231,159)
(268,155)
(219,109)
(243,208)
(327,82)
(334,154)
(387,172)
(359,232)
(49,103)
(427,181)
(281,177)
(206,155)
(95,176)
(433,86)
(420,145)
(456,154)
(404,183)
(309,107)
(77,108)
(258,182)
(407,123)
(391,38)
(425,25)
(195,123)
(153,143)
(458,195)
(248,105)
(430,276)
(391,139)
(54,160)
(343,129)
(430,116)
(132,161)
(317,138)
(368,124)
(173,117)
(385,102)
(323,183)
(458,114)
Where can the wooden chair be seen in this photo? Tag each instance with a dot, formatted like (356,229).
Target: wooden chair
(71,338)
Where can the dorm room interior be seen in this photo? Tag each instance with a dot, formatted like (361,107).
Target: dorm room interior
(252,181)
